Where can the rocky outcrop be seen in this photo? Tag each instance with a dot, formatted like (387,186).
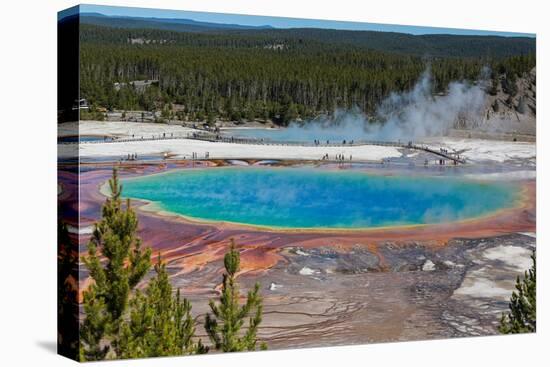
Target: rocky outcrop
(511,105)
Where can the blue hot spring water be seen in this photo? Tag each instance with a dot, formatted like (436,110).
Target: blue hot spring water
(313,198)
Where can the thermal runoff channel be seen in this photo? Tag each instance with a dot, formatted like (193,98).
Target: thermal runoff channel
(309,198)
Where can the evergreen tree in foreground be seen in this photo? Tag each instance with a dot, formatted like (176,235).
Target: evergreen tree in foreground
(159,324)
(522,317)
(116,264)
(228,317)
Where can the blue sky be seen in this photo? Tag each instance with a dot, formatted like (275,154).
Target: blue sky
(281,22)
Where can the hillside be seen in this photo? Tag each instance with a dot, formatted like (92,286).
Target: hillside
(436,45)
(252,75)
(512,109)
(442,45)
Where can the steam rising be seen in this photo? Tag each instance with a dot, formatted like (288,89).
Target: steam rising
(402,116)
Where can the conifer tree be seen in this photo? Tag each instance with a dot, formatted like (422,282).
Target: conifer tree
(227,320)
(94,328)
(522,317)
(159,324)
(116,263)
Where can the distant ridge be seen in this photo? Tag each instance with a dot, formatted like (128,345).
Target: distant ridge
(118,29)
(438,45)
(170,24)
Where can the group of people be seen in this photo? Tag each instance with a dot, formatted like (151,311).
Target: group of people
(342,157)
(338,157)
(153,137)
(446,151)
(318,142)
(132,157)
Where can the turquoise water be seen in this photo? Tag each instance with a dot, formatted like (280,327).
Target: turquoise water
(313,198)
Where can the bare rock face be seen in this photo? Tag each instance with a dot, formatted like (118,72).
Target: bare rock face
(511,105)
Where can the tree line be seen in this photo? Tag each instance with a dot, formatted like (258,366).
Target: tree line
(435,45)
(122,321)
(242,77)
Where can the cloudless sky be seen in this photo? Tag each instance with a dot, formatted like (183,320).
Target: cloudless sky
(281,22)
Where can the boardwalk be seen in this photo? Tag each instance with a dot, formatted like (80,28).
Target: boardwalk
(217,138)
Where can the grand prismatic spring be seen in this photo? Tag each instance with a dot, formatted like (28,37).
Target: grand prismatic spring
(311,198)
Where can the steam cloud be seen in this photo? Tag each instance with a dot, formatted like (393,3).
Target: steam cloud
(402,116)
